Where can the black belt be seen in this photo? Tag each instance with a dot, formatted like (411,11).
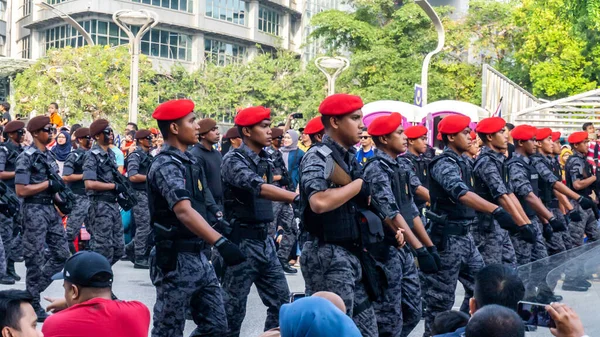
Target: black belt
(79,192)
(456,229)
(195,246)
(38,200)
(250,233)
(105,198)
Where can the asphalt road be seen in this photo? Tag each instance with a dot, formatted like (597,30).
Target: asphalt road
(134,284)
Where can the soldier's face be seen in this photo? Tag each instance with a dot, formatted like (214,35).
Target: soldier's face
(499,140)
(44,135)
(462,140)
(556,147)
(546,145)
(187,129)
(528,146)
(212,136)
(419,144)
(582,147)
(349,127)
(260,133)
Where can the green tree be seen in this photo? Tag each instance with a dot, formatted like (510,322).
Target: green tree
(88,83)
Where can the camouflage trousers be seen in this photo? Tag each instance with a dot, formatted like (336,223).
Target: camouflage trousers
(42,230)
(7,234)
(141,216)
(493,242)
(560,241)
(192,286)
(588,226)
(78,216)
(264,271)
(106,230)
(329,267)
(399,311)
(461,261)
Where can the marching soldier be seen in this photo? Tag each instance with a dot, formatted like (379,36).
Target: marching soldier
(138,163)
(105,225)
(315,130)
(73,175)
(247,176)
(330,208)
(453,206)
(399,309)
(42,226)
(9,151)
(179,205)
(417,146)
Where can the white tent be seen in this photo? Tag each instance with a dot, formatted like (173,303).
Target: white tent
(446,107)
(375,109)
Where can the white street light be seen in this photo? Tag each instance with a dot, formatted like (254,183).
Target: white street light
(68,19)
(146,19)
(338,64)
(441,38)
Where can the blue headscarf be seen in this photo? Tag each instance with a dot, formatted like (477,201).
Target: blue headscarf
(315,317)
(62,151)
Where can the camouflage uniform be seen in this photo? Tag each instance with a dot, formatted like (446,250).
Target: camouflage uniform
(192,283)
(559,241)
(262,268)
(138,162)
(418,164)
(460,257)
(328,266)
(520,182)
(74,165)
(104,218)
(492,241)
(8,157)
(577,168)
(393,307)
(42,224)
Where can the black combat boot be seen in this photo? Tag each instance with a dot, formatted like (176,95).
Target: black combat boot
(286,267)
(141,263)
(10,270)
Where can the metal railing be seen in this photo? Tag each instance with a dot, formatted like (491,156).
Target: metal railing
(498,90)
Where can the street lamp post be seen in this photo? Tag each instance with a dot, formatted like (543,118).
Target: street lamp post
(68,19)
(338,64)
(145,20)
(441,39)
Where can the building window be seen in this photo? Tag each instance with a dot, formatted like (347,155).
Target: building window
(269,21)
(26,7)
(227,10)
(155,43)
(178,5)
(223,53)
(55,2)
(25,44)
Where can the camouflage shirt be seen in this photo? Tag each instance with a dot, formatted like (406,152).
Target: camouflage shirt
(519,177)
(577,165)
(486,170)
(30,168)
(542,165)
(97,166)
(447,173)
(236,172)
(74,162)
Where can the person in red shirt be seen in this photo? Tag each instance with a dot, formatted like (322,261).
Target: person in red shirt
(88,309)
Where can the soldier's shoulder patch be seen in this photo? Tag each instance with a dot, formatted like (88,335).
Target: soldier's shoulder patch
(324,151)
(176,160)
(96,151)
(30,151)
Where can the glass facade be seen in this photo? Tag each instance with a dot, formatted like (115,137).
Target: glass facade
(269,20)
(223,53)
(233,11)
(178,5)
(54,2)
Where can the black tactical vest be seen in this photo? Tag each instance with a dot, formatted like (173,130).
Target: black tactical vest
(533,179)
(480,187)
(400,187)
(159,208)
(545,188)
(12,152)
(422,171)
(556,169)
(242,205)
(337,226)
(145,162)
(441,202)
(587,172)
(78,187)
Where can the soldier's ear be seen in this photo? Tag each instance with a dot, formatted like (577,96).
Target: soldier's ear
(174,128)
(246,131)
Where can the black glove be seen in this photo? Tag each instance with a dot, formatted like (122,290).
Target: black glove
(547,232)
(526,233)
(296,206)
(231,253)
(585,203)
(54,186)
(120,188)
(505,220)
(557,225)
(434,252)
(427,262)
(574,215)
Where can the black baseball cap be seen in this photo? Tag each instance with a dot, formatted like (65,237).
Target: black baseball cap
(82,268)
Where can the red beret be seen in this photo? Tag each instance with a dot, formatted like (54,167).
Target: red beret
(473,135)
(314,126)
(543,133)
(37,123)
(384,125)
(490,125)
(154,131)
(439,136)
(577,137)
(172,110)
(13,126)
(252,115)
(555,136)
(340,104)
(523,132)
(416,131)
(453,124)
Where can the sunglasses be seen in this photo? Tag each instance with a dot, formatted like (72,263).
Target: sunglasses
(365,137)
(107,131)
(149,138)
(279,138)
(48,130)
(20,132)
(86,137)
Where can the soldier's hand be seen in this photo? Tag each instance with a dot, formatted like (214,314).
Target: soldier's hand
(400,237)
(426,261)
(557,225)
(574,215)
(434,252)
(505,220)
(231,253)
(586,203)
(547,232)
(526,233)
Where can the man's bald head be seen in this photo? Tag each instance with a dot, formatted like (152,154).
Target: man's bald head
(333,298)
(495,321)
